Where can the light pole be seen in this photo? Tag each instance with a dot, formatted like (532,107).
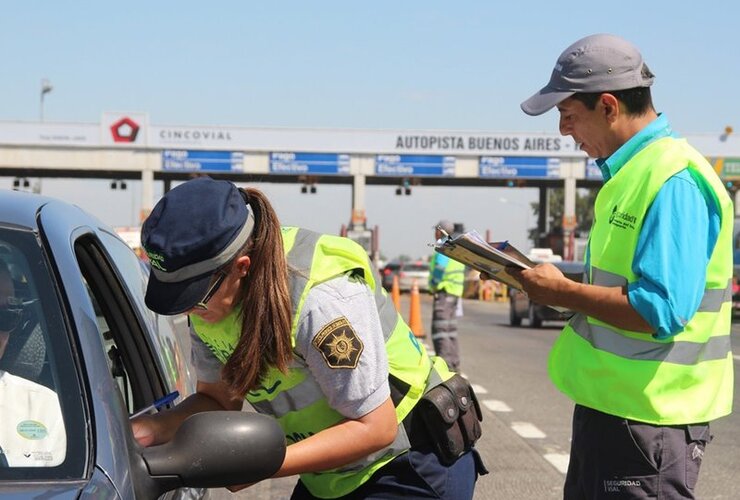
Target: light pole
(46,87)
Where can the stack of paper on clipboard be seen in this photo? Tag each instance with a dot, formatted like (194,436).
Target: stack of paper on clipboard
(490,258)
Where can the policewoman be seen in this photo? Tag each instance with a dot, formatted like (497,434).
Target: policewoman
(298,324)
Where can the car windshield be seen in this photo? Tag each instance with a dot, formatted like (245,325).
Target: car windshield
(39,395)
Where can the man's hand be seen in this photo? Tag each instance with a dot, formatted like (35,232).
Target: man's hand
(144,430)
(541,283)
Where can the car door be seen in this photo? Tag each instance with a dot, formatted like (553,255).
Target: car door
(44,441)
(123,356)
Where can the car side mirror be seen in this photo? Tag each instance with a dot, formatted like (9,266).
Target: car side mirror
(216,449)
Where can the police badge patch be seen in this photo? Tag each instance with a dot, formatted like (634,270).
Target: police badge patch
(338,344)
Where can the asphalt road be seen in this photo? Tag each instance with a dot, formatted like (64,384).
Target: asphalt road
(526,426)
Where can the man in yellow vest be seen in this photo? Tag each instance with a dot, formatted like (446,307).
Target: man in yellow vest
(446,280)
(647,357)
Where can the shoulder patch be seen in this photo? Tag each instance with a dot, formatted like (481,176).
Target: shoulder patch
(338,344)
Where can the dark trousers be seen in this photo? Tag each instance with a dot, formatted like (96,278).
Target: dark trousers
(444,329)
(616,458)
(416,474)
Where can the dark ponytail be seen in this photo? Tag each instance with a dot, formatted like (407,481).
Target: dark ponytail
(265,339)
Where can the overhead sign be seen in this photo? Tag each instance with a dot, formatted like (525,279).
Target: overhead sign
(49,134)
(415,165)
(202,161)
(510,167)
(124,129)
(309,163)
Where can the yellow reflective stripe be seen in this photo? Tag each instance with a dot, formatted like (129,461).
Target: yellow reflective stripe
(711,301)
(714,298)
(294,399)
(605,278)
(678,351)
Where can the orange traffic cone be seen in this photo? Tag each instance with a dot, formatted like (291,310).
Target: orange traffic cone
(415,312)
(396,293)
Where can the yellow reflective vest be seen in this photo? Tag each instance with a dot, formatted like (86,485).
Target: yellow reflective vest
(685,379)
(294,398)
(453,278)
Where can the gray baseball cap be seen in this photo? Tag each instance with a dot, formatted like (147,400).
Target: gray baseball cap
(596,63)
(446,225)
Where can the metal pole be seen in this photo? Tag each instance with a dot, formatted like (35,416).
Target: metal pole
(46,87)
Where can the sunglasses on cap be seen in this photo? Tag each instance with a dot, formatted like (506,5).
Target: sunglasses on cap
(10,318)
(203,304)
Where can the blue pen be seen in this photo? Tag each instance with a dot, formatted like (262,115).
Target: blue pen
(157,404)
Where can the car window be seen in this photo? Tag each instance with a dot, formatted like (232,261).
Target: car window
(40,403)
(121,324)
(172,331)
(571,269)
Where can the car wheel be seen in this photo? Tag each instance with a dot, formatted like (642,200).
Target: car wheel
(514,320)
(534,320)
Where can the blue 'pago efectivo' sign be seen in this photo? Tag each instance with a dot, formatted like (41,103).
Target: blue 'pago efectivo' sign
(202,161)
(309,163)
(510,167)
(415,165)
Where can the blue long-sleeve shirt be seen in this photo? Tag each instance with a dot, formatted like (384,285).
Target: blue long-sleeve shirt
(676,241)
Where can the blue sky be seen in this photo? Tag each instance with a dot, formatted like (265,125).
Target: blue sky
(389,65)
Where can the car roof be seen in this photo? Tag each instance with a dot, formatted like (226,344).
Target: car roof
(20,209)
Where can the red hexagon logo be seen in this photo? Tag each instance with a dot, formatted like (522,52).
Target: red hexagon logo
(124,130)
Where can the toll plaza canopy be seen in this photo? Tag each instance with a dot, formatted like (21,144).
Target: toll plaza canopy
(127,146)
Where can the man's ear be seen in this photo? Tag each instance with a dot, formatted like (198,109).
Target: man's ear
(610,105)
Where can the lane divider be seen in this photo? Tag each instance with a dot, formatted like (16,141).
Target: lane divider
(479,389)
(494,405)
(527,430)
(558,460)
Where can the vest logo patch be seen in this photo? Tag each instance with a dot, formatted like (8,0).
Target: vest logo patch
(622,220)
(338,344)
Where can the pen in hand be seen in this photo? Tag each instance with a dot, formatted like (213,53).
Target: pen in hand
(157,404)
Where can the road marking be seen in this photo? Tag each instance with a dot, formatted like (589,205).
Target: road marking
(558,460)
(479,389)
(736,357)
(494,405)
(527,430)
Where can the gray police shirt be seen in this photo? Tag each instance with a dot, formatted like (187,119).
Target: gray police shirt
(339,339)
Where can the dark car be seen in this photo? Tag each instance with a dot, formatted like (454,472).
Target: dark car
(390,270)
(521,307)
(82,337)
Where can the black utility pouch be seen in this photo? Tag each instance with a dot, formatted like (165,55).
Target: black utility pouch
(452,416)
(470,414)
